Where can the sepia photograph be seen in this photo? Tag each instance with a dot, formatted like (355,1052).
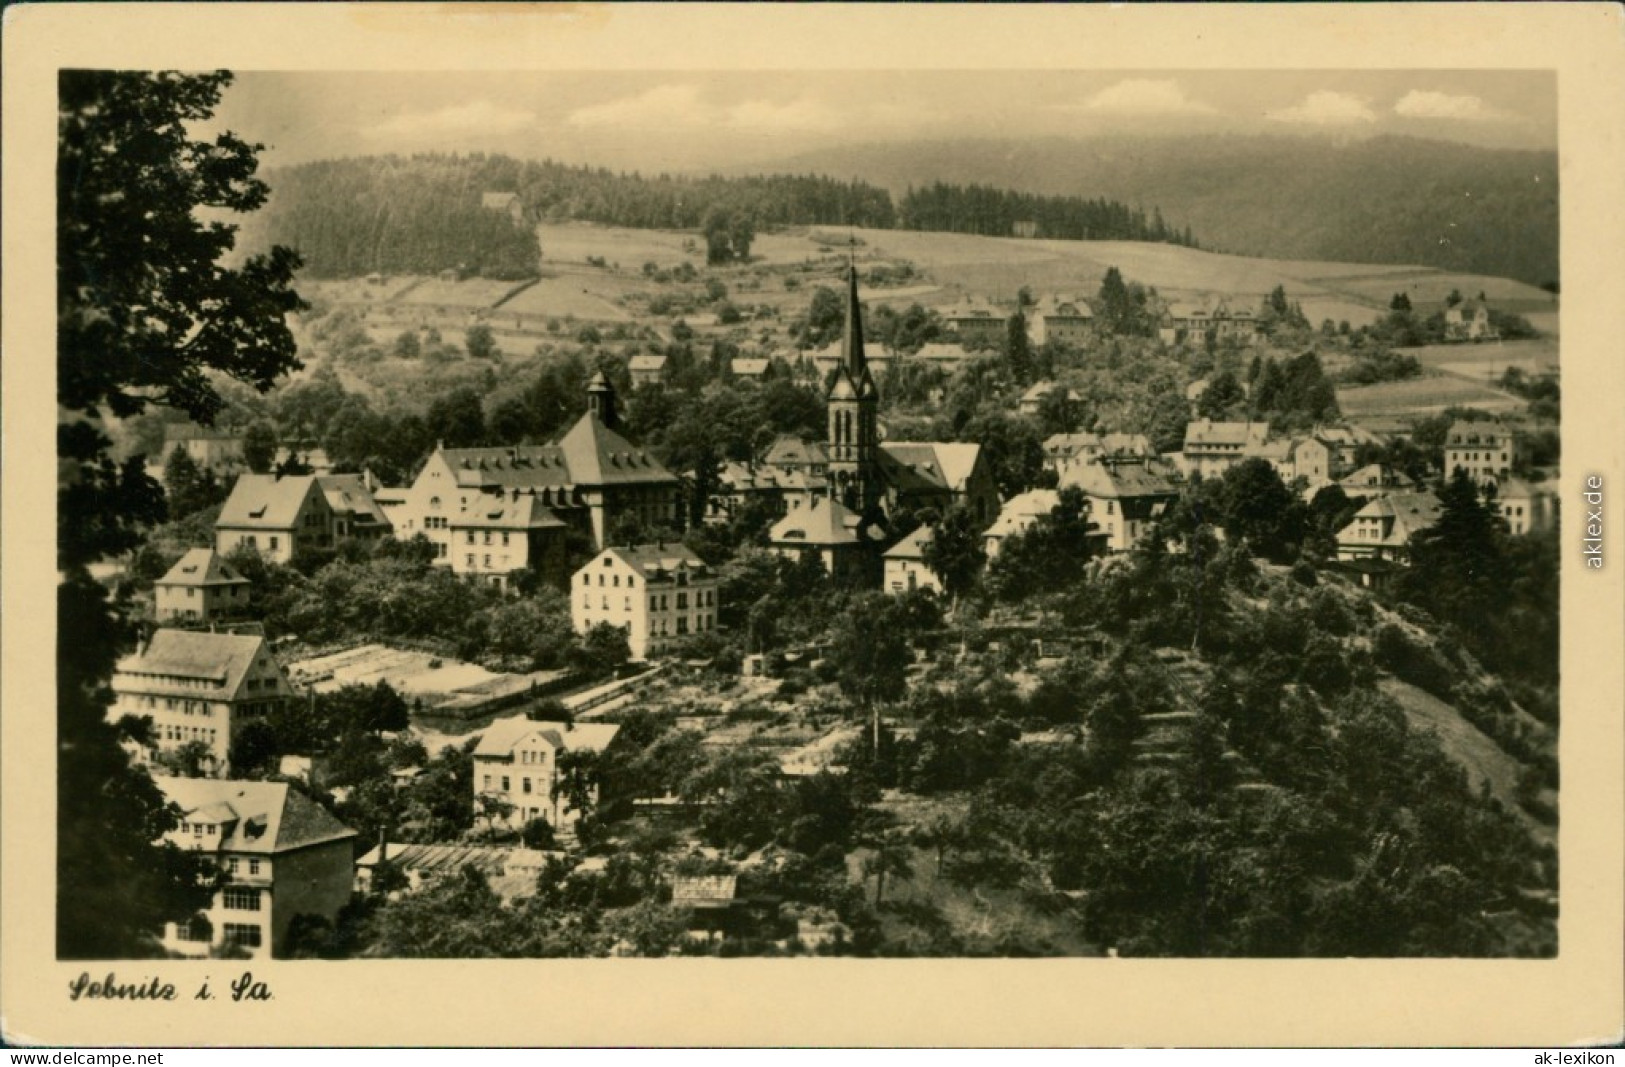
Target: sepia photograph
(635,513)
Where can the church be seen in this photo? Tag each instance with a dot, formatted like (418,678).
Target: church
(857,482)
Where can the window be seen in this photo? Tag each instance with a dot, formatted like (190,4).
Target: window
(504,540)
(231,865)
(237,898)
(471,539)
(488,537)
(274,542)
(487,783)
(471,559)
(242,934)
(253,866)
(525,782)
(488,559)
(505,786)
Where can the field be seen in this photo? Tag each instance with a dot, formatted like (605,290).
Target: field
(786,265)
(1469,359)
(1427,395)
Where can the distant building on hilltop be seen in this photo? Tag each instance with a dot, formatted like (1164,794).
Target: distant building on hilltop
(508,203)
(1197,323)
(976,324)
(1060,319)
(211,448)
(1468,321)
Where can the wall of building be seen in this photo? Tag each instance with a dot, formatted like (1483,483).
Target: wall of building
(310,881)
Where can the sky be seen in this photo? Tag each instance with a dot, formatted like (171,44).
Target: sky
(692,121)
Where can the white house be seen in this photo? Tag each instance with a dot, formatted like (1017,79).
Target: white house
(516,765)
(905,566)
(282,854)
(656,593)
(1018,515)
(276,515)
(199,587)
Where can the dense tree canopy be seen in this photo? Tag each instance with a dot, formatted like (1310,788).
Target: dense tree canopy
(145,312)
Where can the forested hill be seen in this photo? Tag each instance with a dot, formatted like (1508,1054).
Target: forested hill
(423,214)
(1380,200)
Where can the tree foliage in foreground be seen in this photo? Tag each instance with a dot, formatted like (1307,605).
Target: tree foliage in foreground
(146,313)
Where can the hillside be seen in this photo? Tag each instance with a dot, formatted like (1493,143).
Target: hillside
(1383,200)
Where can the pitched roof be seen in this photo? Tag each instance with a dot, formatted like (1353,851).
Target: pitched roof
(490,860)
(1021,510)
(1063,307)
(1477,434)
(589,454)
(502,736)
(1070,444)
(824,522)
(930,464)
(349,493)
(1207,432)
(646,361)
(202,567)
(1408,514)
(789,450)
(496,511)
(1133,443)
(1118,481)
(748,366)
(262,817)
(597,455)
(912,546)
(657,561)
(941,352)
(266,501)
(222,659)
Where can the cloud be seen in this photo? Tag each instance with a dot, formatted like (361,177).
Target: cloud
(1326,108)
(1425,104)
(478,118)
(669,107)
(1145,96)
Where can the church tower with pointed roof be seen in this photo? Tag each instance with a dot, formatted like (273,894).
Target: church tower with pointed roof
(851,404)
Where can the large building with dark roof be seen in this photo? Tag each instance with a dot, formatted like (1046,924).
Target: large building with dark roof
(591,477)
(282,854)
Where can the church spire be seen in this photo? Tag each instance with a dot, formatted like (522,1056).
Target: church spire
(852,357)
